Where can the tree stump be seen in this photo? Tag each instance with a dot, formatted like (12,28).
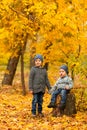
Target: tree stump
(70,107)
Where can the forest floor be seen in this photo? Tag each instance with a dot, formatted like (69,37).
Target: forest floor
(15,112)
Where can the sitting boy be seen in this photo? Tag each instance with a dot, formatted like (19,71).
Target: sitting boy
(62,87)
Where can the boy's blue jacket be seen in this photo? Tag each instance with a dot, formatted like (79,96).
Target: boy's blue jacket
(38,80)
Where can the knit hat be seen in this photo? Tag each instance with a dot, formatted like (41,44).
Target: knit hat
(65,68)
(38,56)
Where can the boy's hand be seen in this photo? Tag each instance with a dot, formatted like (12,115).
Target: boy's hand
(67,87)
(51,90)
(31,91)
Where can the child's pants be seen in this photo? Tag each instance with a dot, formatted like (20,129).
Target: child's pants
(63,94)
(37,100)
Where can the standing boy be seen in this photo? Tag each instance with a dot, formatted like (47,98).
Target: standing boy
(38,81)
(62,87)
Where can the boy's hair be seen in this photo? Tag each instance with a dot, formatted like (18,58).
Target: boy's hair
(65,68)
(38,56)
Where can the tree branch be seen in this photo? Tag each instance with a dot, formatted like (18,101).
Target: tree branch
(17,12)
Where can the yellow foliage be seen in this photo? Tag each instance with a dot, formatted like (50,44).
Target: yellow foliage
(56,28)
(3,33)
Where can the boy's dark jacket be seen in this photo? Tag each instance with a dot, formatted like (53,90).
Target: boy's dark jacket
(38,80)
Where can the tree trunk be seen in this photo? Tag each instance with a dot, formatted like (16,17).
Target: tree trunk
(46,65)
(12,65)
(70,107)
(10,71)
(22,67)
(22,74)
(33,50)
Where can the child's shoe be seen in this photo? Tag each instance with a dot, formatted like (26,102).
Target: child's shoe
(40,114)
(33,115)
(51,105)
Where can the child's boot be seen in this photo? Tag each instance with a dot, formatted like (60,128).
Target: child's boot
(62,107)
(51,105)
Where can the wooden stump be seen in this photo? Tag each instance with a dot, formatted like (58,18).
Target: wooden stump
(70,107)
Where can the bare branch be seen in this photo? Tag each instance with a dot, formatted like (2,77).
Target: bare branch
(17,12)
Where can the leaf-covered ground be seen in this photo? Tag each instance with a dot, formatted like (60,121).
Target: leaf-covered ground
(15,113)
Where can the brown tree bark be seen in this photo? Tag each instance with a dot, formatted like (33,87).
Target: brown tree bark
(22,74)
(70,108)
(22,67)
(33,50)
(10,70)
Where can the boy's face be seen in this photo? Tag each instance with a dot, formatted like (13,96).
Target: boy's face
(62,73)
(38,62)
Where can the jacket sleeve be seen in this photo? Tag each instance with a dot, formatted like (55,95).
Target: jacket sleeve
(31,78)
(53,88)
(55,85)
(70,83)
(47,82)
